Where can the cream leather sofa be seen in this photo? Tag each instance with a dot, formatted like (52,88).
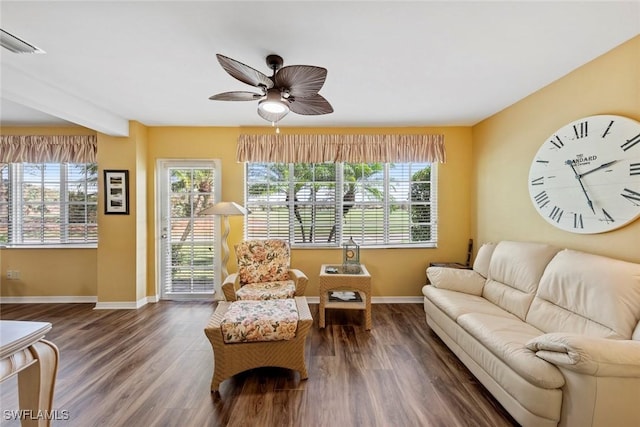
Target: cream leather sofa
(553,334)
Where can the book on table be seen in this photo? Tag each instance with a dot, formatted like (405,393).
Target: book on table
(344,296)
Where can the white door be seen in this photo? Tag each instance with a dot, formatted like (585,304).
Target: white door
(188,245)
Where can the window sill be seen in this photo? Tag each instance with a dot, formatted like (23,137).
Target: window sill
(53,246)
(319,246)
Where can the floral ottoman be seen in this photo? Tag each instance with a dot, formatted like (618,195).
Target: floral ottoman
(251,334)
(260,320)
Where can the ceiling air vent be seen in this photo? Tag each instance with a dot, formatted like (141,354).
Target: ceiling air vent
(17,45)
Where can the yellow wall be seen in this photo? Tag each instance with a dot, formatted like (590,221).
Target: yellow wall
(395,272)
(191,143)
(139,195)
(505,144)
(123,268)
(122,244)
(49,272)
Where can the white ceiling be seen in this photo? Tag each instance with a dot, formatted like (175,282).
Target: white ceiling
(393,63)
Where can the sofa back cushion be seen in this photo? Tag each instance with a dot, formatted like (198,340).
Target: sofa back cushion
(588,294)
(514,273)
(483,259)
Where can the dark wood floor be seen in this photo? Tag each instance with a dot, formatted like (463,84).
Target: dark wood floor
(153,366)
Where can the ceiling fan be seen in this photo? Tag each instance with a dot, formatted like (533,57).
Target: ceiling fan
(291,88)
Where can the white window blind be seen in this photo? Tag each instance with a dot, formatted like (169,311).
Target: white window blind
(323,204)
(48,203)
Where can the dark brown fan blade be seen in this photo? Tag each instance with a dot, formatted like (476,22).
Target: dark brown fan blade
(311,106)
(244,73)
(302,81)
(272,117)
(236,96)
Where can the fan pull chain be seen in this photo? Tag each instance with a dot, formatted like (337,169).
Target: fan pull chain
(273,124)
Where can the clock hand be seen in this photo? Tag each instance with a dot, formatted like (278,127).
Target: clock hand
(602,166)
(589,202)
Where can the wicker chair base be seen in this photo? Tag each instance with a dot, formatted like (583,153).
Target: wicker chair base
(231,359)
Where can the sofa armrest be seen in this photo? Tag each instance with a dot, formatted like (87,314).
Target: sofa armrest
(455,279)
(229,286)
(300,279)
(594,356)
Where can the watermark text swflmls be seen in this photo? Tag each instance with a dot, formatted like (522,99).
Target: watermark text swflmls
(30,414)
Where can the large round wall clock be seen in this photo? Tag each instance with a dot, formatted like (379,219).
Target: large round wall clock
(585,177)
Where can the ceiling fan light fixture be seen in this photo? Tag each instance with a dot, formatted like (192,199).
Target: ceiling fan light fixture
(273,103)
(276,107)
(299,83)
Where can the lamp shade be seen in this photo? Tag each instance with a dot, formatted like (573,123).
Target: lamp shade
(224,208)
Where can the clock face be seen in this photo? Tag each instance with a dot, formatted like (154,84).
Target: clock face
(350,254)
(585,177)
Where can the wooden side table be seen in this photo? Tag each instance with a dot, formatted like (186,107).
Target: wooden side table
(340,281)
(24,352)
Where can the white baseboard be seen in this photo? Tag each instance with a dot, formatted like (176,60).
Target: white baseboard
(381,300)
(121,305)
(397,300)
(132,305)
(48,300)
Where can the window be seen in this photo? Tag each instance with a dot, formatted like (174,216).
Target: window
(322,204)
(48,203)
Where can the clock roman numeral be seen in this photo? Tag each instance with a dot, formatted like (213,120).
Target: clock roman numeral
(606,131)
(577,221)
(557,142)
(634,169)
(631,196)
(556,214)
(631,142)
(608,218)
(542,199)
(538,181)
(581,129)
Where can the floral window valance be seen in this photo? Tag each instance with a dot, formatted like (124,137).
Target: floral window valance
(341,148)
(48,148)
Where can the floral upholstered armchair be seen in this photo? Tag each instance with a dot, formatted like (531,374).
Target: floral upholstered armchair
(264,272)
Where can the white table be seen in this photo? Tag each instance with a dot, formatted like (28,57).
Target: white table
(24,352)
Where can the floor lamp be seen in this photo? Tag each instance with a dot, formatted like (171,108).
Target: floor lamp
(225,209)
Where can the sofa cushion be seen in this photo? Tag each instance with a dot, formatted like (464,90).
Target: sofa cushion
(506,338)
(588,294)
(521,398)
(455,304)
(483,259)
(455,279)
(514,273)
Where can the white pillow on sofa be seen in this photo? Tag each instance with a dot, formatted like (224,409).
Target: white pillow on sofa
(455,279)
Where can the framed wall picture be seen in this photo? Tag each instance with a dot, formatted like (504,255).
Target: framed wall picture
(116,192)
